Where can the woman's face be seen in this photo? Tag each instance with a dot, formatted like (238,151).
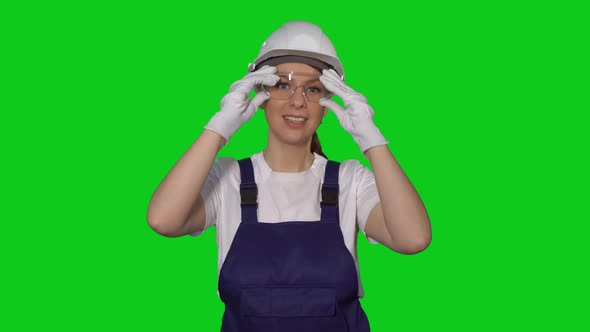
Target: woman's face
(294,120)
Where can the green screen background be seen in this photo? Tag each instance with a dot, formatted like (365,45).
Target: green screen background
(484,104)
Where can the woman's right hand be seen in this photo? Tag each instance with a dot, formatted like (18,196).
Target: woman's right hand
(236,107)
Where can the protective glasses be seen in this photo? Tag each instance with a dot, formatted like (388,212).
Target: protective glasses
(312,88)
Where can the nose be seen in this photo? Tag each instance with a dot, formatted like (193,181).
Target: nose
(298,99)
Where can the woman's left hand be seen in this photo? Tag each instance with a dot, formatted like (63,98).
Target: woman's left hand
(357,118)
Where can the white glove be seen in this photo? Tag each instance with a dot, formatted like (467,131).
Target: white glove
(236,106)
(357,119)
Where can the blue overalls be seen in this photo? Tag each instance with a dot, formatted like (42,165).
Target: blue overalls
(295,276)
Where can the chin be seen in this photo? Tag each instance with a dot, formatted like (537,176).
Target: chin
(292,138)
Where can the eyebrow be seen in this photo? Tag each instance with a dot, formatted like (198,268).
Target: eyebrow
(296,73)
(311,80)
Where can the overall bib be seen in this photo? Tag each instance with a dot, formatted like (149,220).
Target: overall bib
(295,276)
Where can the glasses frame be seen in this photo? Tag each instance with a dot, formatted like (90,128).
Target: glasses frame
(290,75)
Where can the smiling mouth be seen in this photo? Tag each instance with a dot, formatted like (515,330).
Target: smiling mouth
(294,119)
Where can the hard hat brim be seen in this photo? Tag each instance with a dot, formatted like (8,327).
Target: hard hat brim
(330,61)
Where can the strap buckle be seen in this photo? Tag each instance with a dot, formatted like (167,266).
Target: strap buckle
(248,193)
(330,194)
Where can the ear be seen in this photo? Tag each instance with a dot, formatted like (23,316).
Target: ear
(325,111)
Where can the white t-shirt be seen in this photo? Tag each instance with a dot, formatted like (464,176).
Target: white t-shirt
(287,197)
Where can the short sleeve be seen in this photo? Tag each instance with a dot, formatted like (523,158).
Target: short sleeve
(366,198)
(211,194)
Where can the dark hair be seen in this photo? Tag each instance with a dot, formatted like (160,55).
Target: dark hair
(316,146)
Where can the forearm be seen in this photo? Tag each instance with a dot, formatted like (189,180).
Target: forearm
(171,203)
(404,213)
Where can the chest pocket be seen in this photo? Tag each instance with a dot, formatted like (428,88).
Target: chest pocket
(294,301)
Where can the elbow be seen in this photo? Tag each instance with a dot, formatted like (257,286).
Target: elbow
(162,227)
(415,246)
(419,241)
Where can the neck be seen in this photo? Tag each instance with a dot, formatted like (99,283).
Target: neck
(288,158)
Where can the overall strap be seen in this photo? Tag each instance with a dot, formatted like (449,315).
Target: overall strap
(248,192)
(330,190)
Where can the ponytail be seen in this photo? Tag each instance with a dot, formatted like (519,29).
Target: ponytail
(316,147)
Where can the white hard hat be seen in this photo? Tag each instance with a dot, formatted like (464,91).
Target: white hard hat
(299,40)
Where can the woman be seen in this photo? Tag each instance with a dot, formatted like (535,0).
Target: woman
(287,218)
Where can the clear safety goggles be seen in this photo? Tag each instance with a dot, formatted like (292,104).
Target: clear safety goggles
(310,85)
